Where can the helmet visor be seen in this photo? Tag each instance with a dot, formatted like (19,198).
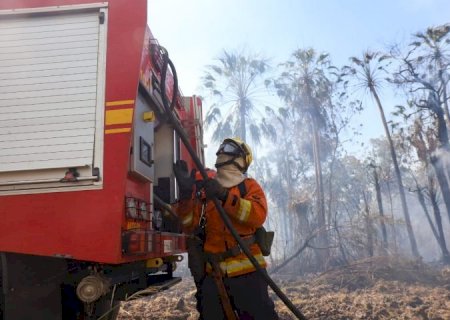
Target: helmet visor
(230,148)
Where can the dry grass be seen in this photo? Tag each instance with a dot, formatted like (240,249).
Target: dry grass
(379,288)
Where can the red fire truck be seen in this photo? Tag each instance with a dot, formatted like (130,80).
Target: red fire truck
(84,146)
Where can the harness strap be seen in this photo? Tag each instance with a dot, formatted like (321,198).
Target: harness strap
(242,189)
(231,161)
(222,256)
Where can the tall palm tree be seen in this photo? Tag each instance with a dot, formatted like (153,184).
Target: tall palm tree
(366,71)
(424,142)
(236,85)
(305,88)
(424,72)
(432,51)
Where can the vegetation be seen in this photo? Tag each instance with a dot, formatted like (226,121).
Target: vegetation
(329,205)
(358,235)
(236,83)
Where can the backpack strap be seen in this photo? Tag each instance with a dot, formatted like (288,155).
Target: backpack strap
(262,237)
(242,188)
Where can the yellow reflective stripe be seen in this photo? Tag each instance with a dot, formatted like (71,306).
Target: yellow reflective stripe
(119,103)
(119,116)
(234,266)
(120,130)
(188,219)
(244,210)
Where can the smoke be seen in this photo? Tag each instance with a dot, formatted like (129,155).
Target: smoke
(442,158)
(427,244)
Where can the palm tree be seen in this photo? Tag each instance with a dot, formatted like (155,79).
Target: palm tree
(236,85)
(424,71)
(376,181)
(423,142)
(305,88)
(288,168)
(433,46)
(367,72)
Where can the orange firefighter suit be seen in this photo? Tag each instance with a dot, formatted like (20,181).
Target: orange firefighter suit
(247,214)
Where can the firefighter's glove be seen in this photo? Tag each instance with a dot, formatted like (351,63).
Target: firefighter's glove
(214,189)
(185,180)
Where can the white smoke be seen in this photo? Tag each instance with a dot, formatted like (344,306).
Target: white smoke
(442,157)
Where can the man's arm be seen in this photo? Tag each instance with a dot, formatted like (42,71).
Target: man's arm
(185,210)
(250,210)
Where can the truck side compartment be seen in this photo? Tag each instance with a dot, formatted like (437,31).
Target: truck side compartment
(84,145)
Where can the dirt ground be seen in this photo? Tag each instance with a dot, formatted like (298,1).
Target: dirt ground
(385,289)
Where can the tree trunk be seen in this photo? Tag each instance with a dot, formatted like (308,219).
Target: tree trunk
(320,201)
(443,182)
(380,210)
(369,228)
(440,167)
(434,105)
(412,238)
(331,201)
(288,201)
(394,230)
(437,218)
(242,120)
(340,242)
(446,111)
(285,226)
(421,199)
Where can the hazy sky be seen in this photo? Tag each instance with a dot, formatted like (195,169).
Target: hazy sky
(195,31)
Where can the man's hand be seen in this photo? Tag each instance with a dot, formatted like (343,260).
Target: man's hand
(185,180)
(214,189)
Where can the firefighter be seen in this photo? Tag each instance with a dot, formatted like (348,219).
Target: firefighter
(227,268)
(196,235)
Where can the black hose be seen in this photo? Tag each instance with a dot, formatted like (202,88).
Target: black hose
(217,203)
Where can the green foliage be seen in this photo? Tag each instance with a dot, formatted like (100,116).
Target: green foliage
(235,84)
(319,98)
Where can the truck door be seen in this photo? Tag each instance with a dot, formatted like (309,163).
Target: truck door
(52,86)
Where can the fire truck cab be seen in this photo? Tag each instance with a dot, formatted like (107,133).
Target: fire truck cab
(84,146)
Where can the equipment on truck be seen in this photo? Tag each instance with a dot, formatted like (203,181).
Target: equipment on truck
(84,146)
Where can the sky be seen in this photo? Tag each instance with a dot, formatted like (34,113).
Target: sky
(196,31)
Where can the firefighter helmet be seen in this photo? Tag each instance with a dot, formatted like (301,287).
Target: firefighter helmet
(238,149)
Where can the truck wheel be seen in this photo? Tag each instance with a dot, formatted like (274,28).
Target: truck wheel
(74,309)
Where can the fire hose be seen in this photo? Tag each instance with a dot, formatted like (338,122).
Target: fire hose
(184,138)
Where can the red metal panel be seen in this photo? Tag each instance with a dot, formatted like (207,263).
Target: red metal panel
(151,66)
(85,225)
(189,122)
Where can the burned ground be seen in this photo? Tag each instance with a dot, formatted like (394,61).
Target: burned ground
(377,288)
